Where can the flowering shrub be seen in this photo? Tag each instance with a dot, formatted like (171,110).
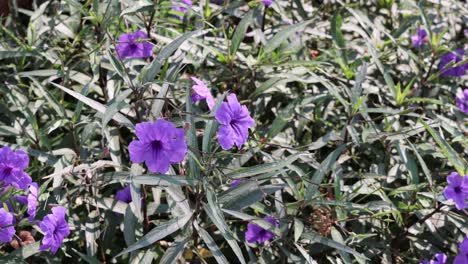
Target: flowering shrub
(234,132)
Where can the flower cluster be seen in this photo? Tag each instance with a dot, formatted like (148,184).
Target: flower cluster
(461,258)
(12,166)
(12,175)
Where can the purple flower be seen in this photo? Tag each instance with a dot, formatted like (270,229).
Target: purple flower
(160,144)
(56,228)
(457,190)
(462,257)
(256,233)
(133,45)
(181,7)
(12,164)
(440,258)
(452,58)
(267,3)
(30,200)
(234,183)
(201,91)
(7,230)
(462,101)
(235,120)
(124,195)
(419,38)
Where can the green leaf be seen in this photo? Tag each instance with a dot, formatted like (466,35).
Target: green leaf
(316,238)
(262,223)
(282,36)
(263,168)
(213,210)
(282,119)
(336,33)
(162,180)
(190,134)
(239,34)
(246,194)
(448,151)
(96,105)
(150,71)
(173,253)
(324,168)
(298,229)
(158,233)
(140,6)
(209,241)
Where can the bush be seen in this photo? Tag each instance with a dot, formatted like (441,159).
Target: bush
(233,132)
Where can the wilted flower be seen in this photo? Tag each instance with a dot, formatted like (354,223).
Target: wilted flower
(181,6)
(267,3)
(256,233)
(124,195)
(134,45)
(30,200)
(235,120)
(457,190)
(160,144)
(12,164)
(462,101)
(201,91)
(55,228)
(440,258)
(419,38)
(25,238)
(462,257)
(452,58)
(7,230)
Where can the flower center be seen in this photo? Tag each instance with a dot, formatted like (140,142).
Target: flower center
(133,46)
(156,145)
(5,172)
(457,189)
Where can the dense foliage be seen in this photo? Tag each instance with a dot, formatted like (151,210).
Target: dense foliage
(202,131)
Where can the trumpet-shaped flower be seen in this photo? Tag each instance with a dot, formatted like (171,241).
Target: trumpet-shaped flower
(159,144)
(55,228)
(267,3)
(30,200)
(457,190)
(452,58)
(124,195)
(134,45)
(201,91)
(256,233)
(12,164)
(462,101)
(7,230)
(235,122)
(181,7)
(419,38)
(462,257)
